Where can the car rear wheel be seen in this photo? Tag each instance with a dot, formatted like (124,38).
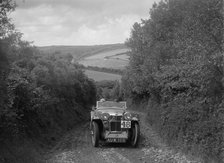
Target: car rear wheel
(135,135)
(95,134)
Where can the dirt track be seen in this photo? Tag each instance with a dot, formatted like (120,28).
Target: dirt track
(76,147)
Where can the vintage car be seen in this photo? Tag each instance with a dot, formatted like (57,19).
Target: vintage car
(112,123)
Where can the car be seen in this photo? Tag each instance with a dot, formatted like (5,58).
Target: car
(111,122)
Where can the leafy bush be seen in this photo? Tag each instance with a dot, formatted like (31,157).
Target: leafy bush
(39,92)
(110,90)
(42,83)
(177,62)
(41,96)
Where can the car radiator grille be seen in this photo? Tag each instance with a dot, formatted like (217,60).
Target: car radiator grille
(115,126)
(115,123)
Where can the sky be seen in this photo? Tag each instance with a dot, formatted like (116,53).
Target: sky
(78,22)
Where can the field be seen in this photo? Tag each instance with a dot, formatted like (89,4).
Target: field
(99,76)
(111,56)
(115,59)
(80,52)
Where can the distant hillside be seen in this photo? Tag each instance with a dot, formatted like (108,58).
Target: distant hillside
(102,62)
(100,76)
(79,52)
(112,59)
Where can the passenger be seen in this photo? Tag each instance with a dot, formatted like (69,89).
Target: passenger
(102,100)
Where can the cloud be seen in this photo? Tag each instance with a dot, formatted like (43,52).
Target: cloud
(78,22)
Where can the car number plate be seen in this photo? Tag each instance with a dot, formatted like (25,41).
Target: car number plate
(125,124)
(116,140)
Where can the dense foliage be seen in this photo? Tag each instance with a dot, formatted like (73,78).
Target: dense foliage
(48,87)
(109,90)
(5,29)
(41,95)
(177,62)
(104,69)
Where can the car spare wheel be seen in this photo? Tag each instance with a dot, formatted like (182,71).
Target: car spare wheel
(135,135)
(95,134)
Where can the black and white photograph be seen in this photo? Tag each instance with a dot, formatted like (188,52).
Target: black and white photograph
(111,81)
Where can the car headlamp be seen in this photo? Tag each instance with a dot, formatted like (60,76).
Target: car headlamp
(127,116)
(105,116)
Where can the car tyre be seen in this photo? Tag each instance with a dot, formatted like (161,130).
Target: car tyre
(135,135)
(95,134)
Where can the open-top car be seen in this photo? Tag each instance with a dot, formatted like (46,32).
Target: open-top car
(111,122)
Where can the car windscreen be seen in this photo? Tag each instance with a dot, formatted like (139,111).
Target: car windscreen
(110,108)
(121,104)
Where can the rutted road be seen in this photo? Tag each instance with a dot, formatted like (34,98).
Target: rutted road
(76,147)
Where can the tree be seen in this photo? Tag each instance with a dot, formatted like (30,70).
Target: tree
(176,61)
(6,29)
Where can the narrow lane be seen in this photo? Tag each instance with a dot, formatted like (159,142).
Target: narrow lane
(76,147)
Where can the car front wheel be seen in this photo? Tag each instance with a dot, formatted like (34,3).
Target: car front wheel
(135,135)
(95,134)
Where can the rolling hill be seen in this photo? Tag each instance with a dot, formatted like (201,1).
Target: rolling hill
(110,56)
(114,59)
(99,76)
(80,52)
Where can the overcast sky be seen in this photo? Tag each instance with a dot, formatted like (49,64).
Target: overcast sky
(78,22)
